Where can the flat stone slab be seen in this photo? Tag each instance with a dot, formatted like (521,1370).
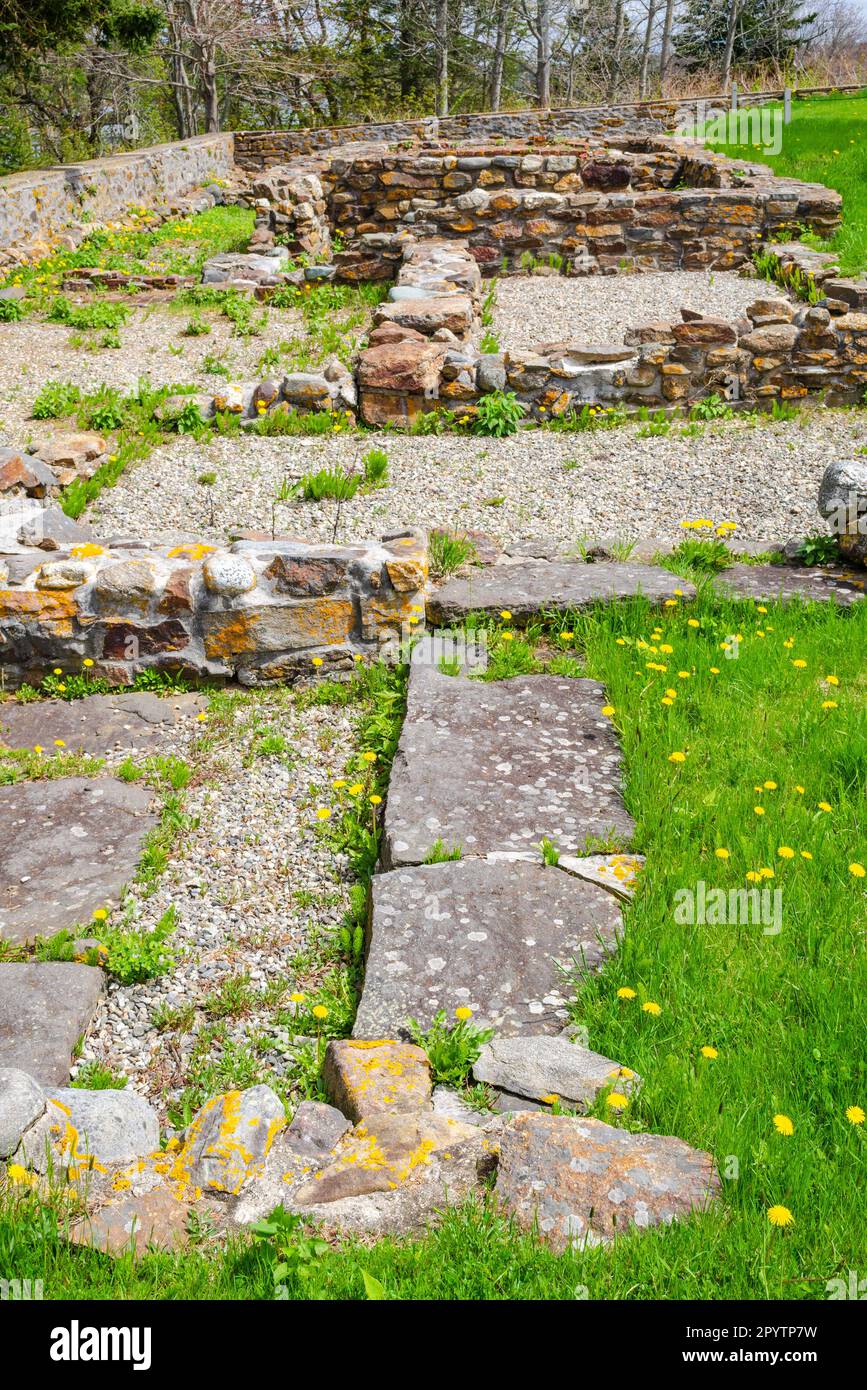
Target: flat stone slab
(45,1007)
(494,937)
(527,589)
(152,1220)
(69,846)
(543,1068)
(786,583)
(98,724)
(487,766)
(585,1182)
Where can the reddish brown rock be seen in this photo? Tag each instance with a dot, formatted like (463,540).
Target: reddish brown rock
(412,367)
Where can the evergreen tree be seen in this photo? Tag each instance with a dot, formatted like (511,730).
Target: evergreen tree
(765,30)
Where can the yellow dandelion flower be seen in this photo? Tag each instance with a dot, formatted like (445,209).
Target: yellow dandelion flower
(319,1011)
(799,665)
(375,800)
(829,704)
(651,1008)
(677,757)
(368,757)
(323,813)
(617,1101)
(855,1115)
(709,1052)
(759,810)
(833,680)
(355,789)
(771,786)
(607,709)
(722,853)
(316,661)
(87,662)
(780,1216)
(783,1125)
(551,1099)
(297,997)
(824,806)
(505,615)
(786,852)
(100,914)
(714,670)
(463,1014)
(857,870)
(625,992)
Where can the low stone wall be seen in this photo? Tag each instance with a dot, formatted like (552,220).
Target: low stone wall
(262,611)
(423,354)
(40,205)
(257,149)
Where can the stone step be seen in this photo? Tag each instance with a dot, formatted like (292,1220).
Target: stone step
(786,583)
(99,725)
(540,586)
(495,937)
(45,1007)
(498,766)
(69,846)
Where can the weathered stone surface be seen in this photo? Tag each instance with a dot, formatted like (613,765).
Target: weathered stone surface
(500,766)
(777,337)
(427,315)
(22,1101)
(539,1067)
(783,582)
(525,590)
(393,1174)
(316,1128)
(228,575)
(112,1126)
(98,724)
(616,872)
(452,1105)
(586,1182)
(366,1078)
(229,1139)
(843,503)
(412,367)
(500,938)
(48,528)
(19,470)
(140,1222)
(69,846)
(45,1007)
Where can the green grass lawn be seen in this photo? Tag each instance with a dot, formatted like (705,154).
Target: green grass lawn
(782,1011)
(825,143)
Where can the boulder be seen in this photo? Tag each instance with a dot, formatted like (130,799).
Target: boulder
(365,1078)
(229,1139)
(22,1101)
(843,504)
(113,1126)
(581,1183)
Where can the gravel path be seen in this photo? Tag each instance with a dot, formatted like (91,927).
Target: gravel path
(256,887)
(764,477)
(153,345)
(599,309)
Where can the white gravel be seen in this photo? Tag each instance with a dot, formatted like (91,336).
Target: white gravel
(596,309)
(764,477)
(153,345)
(257,888)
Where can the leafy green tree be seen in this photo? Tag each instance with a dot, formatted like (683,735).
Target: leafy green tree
(764,31)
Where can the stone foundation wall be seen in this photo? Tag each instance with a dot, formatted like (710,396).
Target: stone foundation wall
(423,354)
(42,204)
(641,204)
(258,612)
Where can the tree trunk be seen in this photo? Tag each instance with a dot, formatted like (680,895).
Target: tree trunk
(645,50)
(502,23)
(614,79)
(730,43)
(665,52)
(543,54)
(442,56)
